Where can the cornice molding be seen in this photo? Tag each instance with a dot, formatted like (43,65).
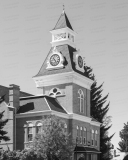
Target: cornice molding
(62,30)
(63,78)
(80,117)
(95,123)
(33,114)
(62,42)
(59,114)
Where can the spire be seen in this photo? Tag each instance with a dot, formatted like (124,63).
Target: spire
(63,8)
(63,32)
(63,21)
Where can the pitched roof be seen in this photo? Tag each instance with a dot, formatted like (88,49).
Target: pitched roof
(63,22)
(54,105)
(39,103)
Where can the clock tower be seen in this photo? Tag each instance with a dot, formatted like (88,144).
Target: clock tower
(62,74)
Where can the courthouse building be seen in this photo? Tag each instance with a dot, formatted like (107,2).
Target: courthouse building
(65,93)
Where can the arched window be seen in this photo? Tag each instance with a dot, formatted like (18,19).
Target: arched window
(38,127)
(92,136)
(96,138)
(85,136)
(30,132)
(81,100)
(81,134)
(55,92)
(77,133)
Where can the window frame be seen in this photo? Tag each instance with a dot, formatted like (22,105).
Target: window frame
(81,100)
(30,132)
(92,137)
(81,135)
(96,138)
(38,127)
(85,136)
(65,127)
(77,133)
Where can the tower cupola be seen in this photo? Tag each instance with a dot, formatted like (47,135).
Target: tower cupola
(63,32)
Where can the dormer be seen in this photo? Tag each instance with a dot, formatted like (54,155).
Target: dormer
(63,32)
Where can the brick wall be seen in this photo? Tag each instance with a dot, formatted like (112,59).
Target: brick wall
(21,129)
(76,103)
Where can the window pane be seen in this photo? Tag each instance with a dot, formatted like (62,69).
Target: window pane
(82,105)
(38,129)
(29,133)
(29,130)
(30,137)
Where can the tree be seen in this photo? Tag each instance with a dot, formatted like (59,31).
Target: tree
(123,144)
(99,110)
(19,155)
(2,124)
(53,143)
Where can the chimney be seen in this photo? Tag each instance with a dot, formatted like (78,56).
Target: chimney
(14,94)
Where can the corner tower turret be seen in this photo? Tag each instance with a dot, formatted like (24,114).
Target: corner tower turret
(63,32)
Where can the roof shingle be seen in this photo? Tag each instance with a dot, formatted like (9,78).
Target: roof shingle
(39,103)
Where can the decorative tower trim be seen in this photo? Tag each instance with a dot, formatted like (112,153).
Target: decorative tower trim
(55,60)
(63,32)
(63,78)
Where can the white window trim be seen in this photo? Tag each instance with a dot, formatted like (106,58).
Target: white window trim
(96,138)
(30,125)
(92,137)
(81,97)
(81,129)
(77,132)
(38,124)
(85,136)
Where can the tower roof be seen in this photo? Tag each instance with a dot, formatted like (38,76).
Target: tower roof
(63,22)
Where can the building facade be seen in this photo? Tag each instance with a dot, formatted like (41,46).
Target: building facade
(65,93)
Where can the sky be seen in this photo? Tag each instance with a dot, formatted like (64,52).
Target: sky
(102,37)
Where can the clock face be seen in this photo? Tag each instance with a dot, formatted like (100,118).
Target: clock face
(54,59)
(80,61)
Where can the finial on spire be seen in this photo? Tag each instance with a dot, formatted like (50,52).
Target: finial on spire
(63,8)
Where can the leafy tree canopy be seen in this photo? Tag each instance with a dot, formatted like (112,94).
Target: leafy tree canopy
(53,142)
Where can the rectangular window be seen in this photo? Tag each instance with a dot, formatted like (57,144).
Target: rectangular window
(96,138)
(92,137)
(30,135)
(81,135)
(84,139)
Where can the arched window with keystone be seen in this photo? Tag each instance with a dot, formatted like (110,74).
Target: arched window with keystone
(96,138)
(81,135)
(77,133)
(84,136)
(38,127)
(81,100)
(92,136)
